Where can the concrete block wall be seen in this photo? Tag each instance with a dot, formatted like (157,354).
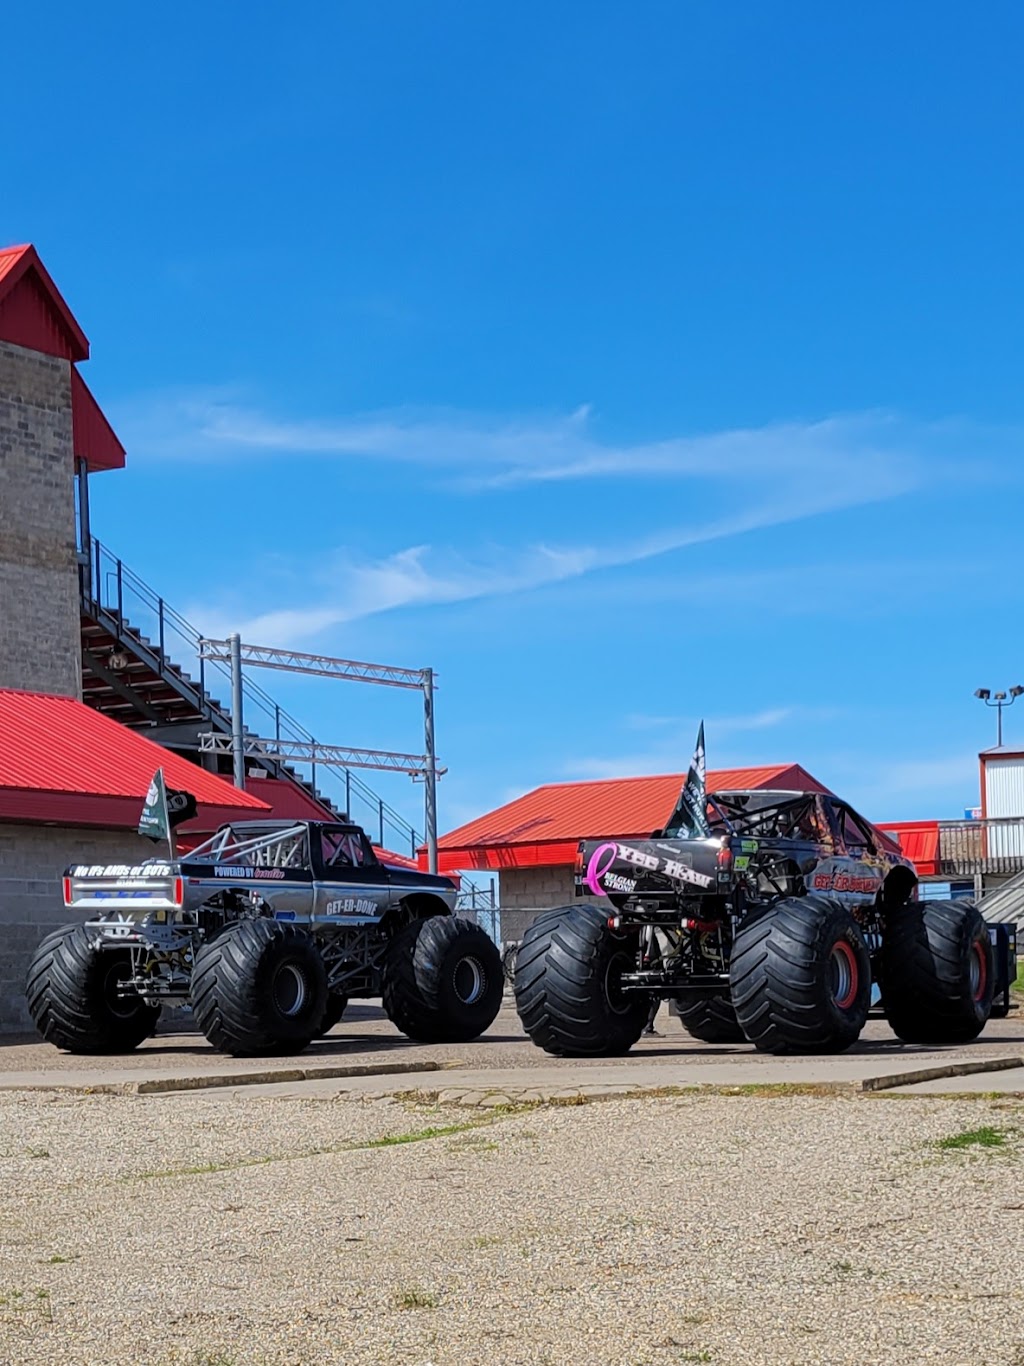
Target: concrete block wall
(32,861)
(524,892)
(40,626)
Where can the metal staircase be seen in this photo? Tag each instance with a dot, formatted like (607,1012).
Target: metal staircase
(142,666)
(1005,904)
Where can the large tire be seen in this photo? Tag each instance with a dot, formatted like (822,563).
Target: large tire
(938,973)
(567,986)
(72,995)
(800,977)
(259,987)
(442,980)
(337,1004)
(710,1018)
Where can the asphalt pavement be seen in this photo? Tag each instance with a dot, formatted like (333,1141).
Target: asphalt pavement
(365,1054)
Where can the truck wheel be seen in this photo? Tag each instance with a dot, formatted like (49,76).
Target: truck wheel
(938,972)
(442,980)
(337,1004)
(73,999)
(710,1018)
(259,987)
(568,985)
(800,977)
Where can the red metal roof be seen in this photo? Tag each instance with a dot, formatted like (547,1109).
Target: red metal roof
(544,826)
(287,801)
(94,439)
(919,841)
(33,312)
(63,762)
(394,860)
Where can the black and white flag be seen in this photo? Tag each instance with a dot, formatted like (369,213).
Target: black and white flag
(690,816)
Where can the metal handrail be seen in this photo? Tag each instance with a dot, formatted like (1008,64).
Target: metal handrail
(108,572)
(993,845)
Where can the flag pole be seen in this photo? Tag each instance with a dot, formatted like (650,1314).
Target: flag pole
(167,822)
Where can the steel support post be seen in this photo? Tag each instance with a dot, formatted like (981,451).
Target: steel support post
(235,648)
(430,777)
(84,530)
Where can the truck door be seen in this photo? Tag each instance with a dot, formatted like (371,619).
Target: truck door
(350,885)
(857,872)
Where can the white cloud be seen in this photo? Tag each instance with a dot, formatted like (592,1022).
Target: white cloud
(423,576)
(875,450)
(747,479)
(417,576)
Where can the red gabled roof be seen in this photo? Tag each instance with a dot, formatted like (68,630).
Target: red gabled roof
(62,762)
(33,312)
(544,826)
(93,438)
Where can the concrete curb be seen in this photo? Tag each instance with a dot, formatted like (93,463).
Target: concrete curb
(953,1069)
(476,1097)
(488,1096)
(206,1081)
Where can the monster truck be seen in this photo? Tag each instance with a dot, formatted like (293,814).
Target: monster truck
(266,930)
(768,925)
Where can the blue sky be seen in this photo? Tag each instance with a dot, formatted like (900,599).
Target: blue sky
(626,363)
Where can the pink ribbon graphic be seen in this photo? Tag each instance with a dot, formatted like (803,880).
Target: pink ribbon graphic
(596,871)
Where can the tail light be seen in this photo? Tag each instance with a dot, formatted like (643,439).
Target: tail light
(724,861)
(179,891)
(67,891)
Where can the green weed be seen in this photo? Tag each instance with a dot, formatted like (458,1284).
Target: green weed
(985,1137)
(420,1135)
(19,1302)
(414,1299)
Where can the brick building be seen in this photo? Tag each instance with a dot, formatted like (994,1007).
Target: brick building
(72,782)
(52,435)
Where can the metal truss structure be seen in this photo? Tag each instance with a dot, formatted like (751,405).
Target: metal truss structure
(294,661)
(313,752)
(238,744)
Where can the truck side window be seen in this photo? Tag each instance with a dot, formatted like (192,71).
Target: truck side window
(807,826)
(855,836)
(342,849)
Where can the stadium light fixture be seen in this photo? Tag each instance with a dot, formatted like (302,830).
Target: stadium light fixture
(999,701)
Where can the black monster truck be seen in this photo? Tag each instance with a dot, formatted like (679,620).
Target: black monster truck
(266,930)
(769,927)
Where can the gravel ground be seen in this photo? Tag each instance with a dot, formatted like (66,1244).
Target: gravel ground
(366,1035)
(220,1229)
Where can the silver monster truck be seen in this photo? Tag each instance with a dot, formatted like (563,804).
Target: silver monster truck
(266,930)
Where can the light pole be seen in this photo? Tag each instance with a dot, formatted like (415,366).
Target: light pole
(999,701)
